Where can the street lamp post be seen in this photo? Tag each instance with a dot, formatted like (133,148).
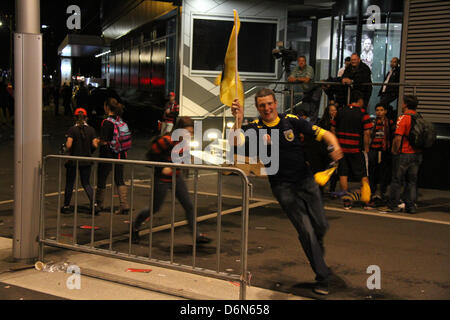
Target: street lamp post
(27,129)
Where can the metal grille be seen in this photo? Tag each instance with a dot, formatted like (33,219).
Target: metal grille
(426,56)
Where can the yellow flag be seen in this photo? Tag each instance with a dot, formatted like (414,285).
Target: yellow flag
(230,76)
(322,177)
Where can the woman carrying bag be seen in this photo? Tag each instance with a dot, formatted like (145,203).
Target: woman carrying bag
(115,141)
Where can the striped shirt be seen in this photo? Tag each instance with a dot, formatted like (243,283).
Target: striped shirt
(382,135)
(161,149)
(350,123)
(174,110)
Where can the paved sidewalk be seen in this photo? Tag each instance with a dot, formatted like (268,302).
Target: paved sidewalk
(105,278)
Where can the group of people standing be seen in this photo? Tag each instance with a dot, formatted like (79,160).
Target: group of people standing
(372,154)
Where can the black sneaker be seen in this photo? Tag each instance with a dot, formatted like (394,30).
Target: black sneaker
(347,204)
(389,209)
(321,288)
(96,210)
(66,210)
(411,210)
(202,239)
(135,237)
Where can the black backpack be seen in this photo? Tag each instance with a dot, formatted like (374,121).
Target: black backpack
(422,134)
(151,155)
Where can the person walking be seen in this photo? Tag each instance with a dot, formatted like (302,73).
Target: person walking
(352,126)
(81,141)
(115,141)
(160,151)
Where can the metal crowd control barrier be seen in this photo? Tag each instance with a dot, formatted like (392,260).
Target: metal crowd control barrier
(242,278)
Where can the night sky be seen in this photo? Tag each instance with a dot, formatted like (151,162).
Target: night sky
(53,14)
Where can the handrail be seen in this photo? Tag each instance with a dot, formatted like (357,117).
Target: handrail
(412,84)
(223,106)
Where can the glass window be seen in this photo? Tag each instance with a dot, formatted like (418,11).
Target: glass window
(118,70)
(134,67)
(170,65)
(144,67)
(210,41)
(299,38)
(126,68)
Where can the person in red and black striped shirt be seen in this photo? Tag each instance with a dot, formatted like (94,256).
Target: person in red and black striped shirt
(171,111)
(352,127)
(380,156)
(160,151)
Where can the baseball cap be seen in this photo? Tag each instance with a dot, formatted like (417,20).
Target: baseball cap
(78,110)
(172,94)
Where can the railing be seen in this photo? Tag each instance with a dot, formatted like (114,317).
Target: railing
(292,85)
(242,277)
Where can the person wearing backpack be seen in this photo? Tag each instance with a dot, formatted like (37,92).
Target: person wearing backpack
(160,150)
(115,141)
(81,141)
(410,139)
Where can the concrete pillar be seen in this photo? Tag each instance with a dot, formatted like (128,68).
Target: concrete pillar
(28,129)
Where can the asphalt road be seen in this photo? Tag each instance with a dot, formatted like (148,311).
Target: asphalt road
(412,252)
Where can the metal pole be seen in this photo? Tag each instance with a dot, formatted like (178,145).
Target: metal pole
(131,208)
(27,129)
(58,210)
(359,25)
(223,123)
(244,239)
(338,58)
(292,99)
(93,205)
(112,208)
(42,215)
(330,60)
(75,210)
(172,222)
(219,217)
(194,237)
(152,195)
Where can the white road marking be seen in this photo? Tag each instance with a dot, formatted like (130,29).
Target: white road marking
(386,215)
(181,223)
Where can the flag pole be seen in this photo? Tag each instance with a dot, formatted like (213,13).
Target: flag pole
(236,53)
(236,56)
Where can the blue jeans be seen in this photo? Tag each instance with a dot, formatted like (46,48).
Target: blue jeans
(302,202)
(161,190)
(405,168)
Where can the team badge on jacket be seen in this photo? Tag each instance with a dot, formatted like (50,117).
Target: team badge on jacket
(289,135)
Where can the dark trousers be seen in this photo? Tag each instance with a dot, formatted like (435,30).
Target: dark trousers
(67,108)
(181,193)
(387,98)
(56,102)
(302,202)
(104,169)
(85,174)
(311,103)
(380,170)
(405,168)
